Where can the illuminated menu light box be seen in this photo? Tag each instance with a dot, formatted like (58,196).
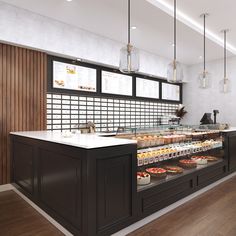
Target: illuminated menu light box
(115,83)
(74,77)
(170,92)
(147,88)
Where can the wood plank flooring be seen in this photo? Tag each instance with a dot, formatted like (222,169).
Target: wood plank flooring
(18,218)
(211,214)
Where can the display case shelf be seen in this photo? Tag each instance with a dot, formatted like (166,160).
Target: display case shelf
(157,181)
(167,152)
(218,152)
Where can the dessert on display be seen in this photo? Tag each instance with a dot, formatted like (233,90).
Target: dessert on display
(157,172)
(187,164)
(143,178)
(174,170)
(200,160)
(211,158)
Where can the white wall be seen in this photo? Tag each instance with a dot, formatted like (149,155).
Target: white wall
(198,101)
(24,28)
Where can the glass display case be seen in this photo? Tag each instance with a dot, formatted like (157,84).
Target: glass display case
(165,153)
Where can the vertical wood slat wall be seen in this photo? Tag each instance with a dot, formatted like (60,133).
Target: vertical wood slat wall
(23,78)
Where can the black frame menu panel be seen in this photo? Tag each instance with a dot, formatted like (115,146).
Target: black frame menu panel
(111,83)
(74,77)
(171,92)
(98,92)
(147,88)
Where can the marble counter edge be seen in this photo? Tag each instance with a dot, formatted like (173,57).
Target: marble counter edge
(86,141)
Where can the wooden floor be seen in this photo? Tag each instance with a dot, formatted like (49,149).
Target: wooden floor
(211,214)
(18,218)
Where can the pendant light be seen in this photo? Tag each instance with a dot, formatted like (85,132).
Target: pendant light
(129,55)
(204,78)
(175,70)
(225,83)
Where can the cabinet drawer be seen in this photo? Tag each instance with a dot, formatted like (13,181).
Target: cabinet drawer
(210,176)
(162,197)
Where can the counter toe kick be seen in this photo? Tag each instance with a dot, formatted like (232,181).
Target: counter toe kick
(92,190)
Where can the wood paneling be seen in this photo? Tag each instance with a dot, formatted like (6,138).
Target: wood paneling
(23,76)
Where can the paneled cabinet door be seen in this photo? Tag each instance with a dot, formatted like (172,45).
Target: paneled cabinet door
(114,191)
(23,166)
(60,185)
(232,152)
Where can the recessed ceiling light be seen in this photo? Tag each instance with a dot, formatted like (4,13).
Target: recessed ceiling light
(172,44)
(69,0)
(200,57)
(133,27)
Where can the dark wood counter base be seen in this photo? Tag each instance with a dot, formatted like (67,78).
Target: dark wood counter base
(89,192)
(94,191)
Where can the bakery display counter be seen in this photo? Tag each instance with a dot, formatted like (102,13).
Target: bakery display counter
(98,185)
(169,172)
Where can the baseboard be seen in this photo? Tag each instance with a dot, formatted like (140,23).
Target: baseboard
(6,187)
(173,206)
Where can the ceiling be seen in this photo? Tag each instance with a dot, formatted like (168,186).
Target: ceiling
(154,24)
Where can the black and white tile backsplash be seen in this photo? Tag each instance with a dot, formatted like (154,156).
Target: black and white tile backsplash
(64,112)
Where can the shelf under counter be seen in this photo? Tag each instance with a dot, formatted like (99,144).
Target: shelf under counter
(158,181)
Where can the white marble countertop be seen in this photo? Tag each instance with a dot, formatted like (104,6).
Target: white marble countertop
(231,129)
(87,141)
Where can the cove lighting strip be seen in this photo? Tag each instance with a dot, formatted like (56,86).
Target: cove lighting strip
(168,8)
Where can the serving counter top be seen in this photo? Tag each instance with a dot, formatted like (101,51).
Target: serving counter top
(232,129)
(87,141)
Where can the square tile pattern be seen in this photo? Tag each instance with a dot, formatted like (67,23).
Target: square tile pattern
(65,112)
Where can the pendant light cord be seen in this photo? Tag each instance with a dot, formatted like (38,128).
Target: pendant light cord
(204,42)
(175,30)
(225,54)
(128,21)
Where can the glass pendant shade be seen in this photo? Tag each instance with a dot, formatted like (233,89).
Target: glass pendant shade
(175,72)
(225,85)
(204,80)
(129,59)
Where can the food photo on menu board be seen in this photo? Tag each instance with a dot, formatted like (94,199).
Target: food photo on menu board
(74,77)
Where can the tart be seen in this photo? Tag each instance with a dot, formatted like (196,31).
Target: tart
(212,159)
(187,164)
(200,160)
(174,170)
(157,172)
(143,178)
